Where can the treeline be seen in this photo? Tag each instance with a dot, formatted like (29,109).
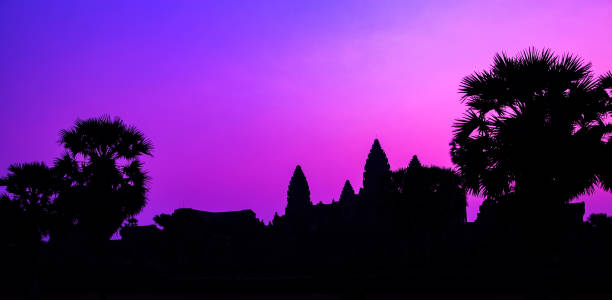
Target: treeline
(536,134)
(86,195)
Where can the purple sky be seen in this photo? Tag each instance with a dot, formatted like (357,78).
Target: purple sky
(234,94)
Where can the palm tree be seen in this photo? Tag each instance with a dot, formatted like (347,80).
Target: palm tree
(31,184)
(536,129)
(102,177)
(33,188)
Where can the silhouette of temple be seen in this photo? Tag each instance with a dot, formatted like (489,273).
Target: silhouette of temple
(403,224)
(388,199)
(410,216)
(533,138)
(196,224)
(405,200)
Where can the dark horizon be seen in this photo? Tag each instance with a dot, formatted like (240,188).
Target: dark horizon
(344,150)
(534,137)
(249,83)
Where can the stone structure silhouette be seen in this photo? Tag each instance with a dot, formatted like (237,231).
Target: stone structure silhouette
(533,138)
(375,172)
(348,193)
(298,194)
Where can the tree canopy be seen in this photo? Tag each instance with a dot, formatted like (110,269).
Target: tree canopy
(91,190)
(536,127)
(109,185)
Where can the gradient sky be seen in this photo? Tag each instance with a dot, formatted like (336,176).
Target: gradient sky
(234,94)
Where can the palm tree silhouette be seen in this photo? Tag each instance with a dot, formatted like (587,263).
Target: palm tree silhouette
(33,188)
(535,129)
(102,176)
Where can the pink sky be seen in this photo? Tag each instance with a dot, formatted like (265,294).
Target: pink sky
(235,94)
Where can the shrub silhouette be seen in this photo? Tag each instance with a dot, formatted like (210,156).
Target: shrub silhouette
(430,198)
(18,227)
(600,221)
(533,134)
(163,220)
(33,188)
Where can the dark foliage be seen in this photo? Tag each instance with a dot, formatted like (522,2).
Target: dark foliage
(429,197)
(102,177)
(601,222)
(90,191)
(535,133)
(33,187)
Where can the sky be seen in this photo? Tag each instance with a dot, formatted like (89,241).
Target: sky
(235,94)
